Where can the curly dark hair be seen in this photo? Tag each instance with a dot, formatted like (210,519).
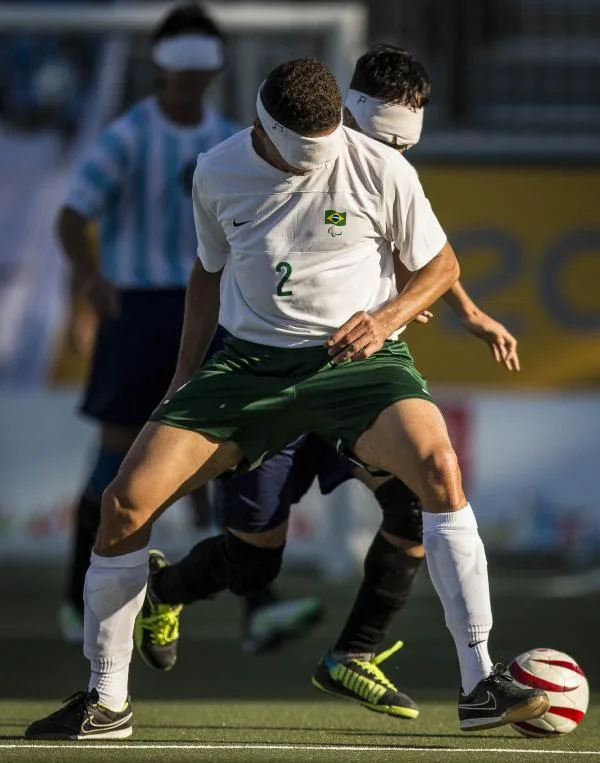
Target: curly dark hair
(392,75)
(303,95)
(187,18)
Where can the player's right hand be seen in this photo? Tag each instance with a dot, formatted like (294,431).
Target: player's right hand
(104,297)
(82,331)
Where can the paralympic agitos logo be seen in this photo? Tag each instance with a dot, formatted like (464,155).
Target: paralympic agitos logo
(335,220)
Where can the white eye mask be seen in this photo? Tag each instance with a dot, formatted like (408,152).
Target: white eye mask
(189,52)
(297,150)
(391,123)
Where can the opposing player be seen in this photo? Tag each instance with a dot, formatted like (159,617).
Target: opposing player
(137,182)
(308,352)
(389,91)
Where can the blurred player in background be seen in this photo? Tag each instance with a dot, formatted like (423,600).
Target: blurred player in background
(388,94)
(137,183)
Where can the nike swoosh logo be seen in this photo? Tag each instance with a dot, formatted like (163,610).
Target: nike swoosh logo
(237,224)
(89,727)
(474,643)
(488,704)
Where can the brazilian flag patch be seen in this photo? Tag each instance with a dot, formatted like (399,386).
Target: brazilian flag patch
(333,217)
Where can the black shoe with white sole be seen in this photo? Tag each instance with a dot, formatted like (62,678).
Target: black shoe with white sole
(498,700)
(83,717)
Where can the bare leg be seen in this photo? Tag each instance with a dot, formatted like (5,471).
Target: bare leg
(410,439)
(163,464)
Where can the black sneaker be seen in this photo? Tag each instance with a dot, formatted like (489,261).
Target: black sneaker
(498,700)
(83,717)
(364,682)
(156,632)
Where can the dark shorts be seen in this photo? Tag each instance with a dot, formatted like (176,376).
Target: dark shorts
(261,499)
(135,357)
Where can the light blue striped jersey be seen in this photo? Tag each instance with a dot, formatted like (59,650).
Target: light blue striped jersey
(137,181)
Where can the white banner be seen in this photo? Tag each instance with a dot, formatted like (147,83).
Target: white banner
(530,464)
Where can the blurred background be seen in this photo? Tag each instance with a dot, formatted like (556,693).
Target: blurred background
(510,158)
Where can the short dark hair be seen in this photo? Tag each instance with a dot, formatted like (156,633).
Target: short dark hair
(303,95)
(187,18)
(392,75)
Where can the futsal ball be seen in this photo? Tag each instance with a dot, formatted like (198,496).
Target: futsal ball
(563,681)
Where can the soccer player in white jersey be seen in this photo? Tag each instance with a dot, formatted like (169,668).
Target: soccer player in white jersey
(309,351)
(389,92)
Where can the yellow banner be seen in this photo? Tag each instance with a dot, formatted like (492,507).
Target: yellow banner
(528,240)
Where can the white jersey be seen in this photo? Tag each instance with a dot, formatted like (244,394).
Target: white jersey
(138,181)
(302,253)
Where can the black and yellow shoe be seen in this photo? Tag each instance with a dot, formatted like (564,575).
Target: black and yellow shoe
(364,682)
(156,632)
(83,718)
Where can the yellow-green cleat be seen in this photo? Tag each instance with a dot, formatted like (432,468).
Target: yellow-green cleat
(364,682)
(156,632)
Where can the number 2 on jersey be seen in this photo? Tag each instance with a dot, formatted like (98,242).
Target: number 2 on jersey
(285,270)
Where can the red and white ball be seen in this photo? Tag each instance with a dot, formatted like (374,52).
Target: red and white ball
(564,682)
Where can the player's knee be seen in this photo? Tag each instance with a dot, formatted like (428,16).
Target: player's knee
(251,568)
(402,521)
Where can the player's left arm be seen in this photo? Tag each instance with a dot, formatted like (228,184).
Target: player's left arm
(422,246)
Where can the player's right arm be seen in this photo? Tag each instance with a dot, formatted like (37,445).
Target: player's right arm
(202,301)
(98,179)
(74,235)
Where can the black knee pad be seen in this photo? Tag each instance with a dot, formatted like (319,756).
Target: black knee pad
(251,568)
(402,510)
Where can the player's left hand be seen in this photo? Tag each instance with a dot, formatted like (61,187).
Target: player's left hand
(423,317)
(499,339)
(361,336)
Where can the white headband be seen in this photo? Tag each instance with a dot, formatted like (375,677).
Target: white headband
(299,151)
(390,122)
(189,52)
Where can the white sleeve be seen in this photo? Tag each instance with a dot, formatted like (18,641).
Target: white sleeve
(409,222)
(101,174)
(213,248)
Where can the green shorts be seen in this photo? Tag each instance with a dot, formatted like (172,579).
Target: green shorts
(263,398)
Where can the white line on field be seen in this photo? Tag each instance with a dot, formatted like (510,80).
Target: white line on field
(288,747)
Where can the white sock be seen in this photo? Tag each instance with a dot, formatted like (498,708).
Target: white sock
(113,595)
(458,570)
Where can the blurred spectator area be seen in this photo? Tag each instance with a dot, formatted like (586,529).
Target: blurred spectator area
(525,67)
(518,65)
(44,77)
